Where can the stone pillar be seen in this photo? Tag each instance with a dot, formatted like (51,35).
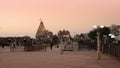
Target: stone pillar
(98,46)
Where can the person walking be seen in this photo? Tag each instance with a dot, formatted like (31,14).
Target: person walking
(51,45)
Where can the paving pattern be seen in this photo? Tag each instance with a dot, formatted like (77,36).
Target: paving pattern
(53,59)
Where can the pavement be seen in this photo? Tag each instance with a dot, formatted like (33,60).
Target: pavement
(53,59)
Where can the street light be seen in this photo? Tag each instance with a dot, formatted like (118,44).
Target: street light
(112,35)
(98,41)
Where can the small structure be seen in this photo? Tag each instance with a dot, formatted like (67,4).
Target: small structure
(66,43)
(64,36)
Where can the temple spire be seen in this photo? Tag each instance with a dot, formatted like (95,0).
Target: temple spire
(43,35)
(41,28)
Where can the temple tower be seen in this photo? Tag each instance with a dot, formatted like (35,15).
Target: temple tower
(41,30)
(42,34)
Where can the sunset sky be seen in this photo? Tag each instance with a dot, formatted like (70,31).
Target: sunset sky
(22,17)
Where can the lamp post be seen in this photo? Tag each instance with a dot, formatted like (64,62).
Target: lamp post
(104,43)
(9,40)
(98,41)
(98,45)
(61,52)
(24,40)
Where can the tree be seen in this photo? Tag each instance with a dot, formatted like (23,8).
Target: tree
(92,34)
(64,34)
(104,32)
(55,39)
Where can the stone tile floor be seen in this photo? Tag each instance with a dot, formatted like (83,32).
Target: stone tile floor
(53,59)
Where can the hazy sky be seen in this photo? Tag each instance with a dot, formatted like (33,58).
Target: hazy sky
(21,17)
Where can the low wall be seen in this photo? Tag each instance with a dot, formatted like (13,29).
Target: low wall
(36,47)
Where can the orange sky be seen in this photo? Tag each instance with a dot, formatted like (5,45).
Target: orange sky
(21,17)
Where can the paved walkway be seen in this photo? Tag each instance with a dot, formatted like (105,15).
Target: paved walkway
(53,59)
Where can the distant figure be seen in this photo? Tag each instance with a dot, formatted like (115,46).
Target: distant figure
(79,47)
(3,46)
(12,47)
(51,45)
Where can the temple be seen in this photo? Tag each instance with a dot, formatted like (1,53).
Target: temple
(43,35)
